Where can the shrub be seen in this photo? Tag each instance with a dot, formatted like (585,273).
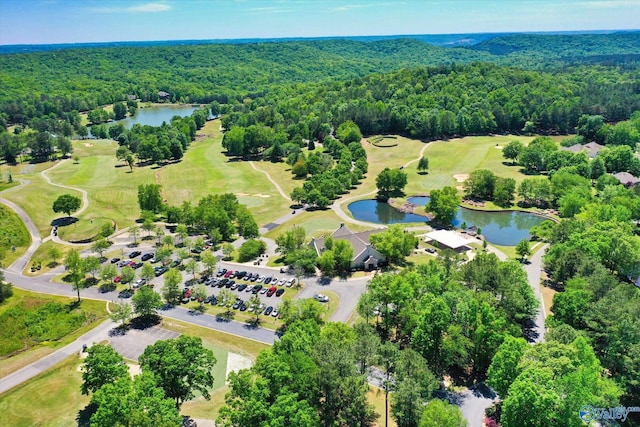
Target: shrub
(251,249)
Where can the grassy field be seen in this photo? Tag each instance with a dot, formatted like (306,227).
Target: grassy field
(51,399)
(14,236)
(205,170)
(52,330)
(315,223)
(42,254)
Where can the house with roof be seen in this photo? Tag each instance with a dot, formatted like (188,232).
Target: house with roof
(164,96)
(365,255)
(626,179)
(592,149)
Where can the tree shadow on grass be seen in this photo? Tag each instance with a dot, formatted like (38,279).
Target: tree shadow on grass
(84,415)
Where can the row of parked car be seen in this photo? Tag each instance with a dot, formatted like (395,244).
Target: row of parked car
(255,277)
(238,304)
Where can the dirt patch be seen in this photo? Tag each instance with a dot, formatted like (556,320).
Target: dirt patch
(461,177)
(235,362)
(547,298)
(86,144)
(499,147)
(241,194)
(133,369)
(263,196)
(460,187)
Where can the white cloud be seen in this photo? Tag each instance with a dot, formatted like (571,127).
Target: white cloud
(149,7)
(349,7)
(142,8)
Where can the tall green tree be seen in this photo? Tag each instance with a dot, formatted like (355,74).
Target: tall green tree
(75,267)
(444,204)
(395,243)
(136,402)
(181,367)
(103,365)
(149,198)
(146,302)
(66,203)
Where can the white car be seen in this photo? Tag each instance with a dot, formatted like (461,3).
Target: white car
(274,313)
(321,297)
(282,281)
(290,282)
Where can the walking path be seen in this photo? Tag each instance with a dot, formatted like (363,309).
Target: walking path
(275,184)
(85,197)
(534,272)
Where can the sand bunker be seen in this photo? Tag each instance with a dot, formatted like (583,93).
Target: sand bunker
(263,196)
(499,147)
(461,177)
(241,194)
(86,144)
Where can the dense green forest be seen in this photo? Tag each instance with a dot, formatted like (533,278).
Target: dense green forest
(36,84)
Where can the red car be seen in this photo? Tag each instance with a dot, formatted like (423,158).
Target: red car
(228,273)
(131,263)
(117,279)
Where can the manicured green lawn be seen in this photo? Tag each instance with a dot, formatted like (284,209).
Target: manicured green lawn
(206,170)
(14,236)
(52,398)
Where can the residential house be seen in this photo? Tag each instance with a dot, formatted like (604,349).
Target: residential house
(365,256)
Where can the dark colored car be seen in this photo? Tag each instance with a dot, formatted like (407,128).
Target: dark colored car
(256,289)
(230,283)
(242,287)
(160,271)
(175,263)
(268,310)
(254,277)
(134,254)
(279,292)
(147,256)
(221,272)
(267,280)
(114,260)
(137,265)
(243,307)
(240,274)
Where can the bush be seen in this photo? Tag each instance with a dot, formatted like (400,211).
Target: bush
(251,249)
(6,290)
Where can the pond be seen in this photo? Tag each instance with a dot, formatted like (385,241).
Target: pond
(500,228)
(154,116)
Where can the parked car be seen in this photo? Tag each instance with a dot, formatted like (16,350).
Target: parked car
(123,263)
(270,292)
(291,282)
(268,310)
(234,287)
(147,256)
(208,299)
(263,291)
(274,313)
(282,281)
(241,287)
(175,263)
(221,272)
(117,279)
(114,260)
(250,288)
(267,280)
(228,273)
(139,283)
(137,265)
(260,279)
(256,289)
(160,271)
(321,298)
(279,292)
(134,254)
(243,307)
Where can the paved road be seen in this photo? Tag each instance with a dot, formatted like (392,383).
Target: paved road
(97,334)
(473,402)
(534,271)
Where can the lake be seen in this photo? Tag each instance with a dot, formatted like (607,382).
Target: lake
(154,116)
(500,228)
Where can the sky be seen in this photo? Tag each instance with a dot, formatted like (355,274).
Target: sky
(82,21)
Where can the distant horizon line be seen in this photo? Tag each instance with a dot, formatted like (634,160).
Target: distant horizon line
(292,38)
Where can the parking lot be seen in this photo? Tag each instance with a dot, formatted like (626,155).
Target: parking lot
(268,287)
(132,344)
